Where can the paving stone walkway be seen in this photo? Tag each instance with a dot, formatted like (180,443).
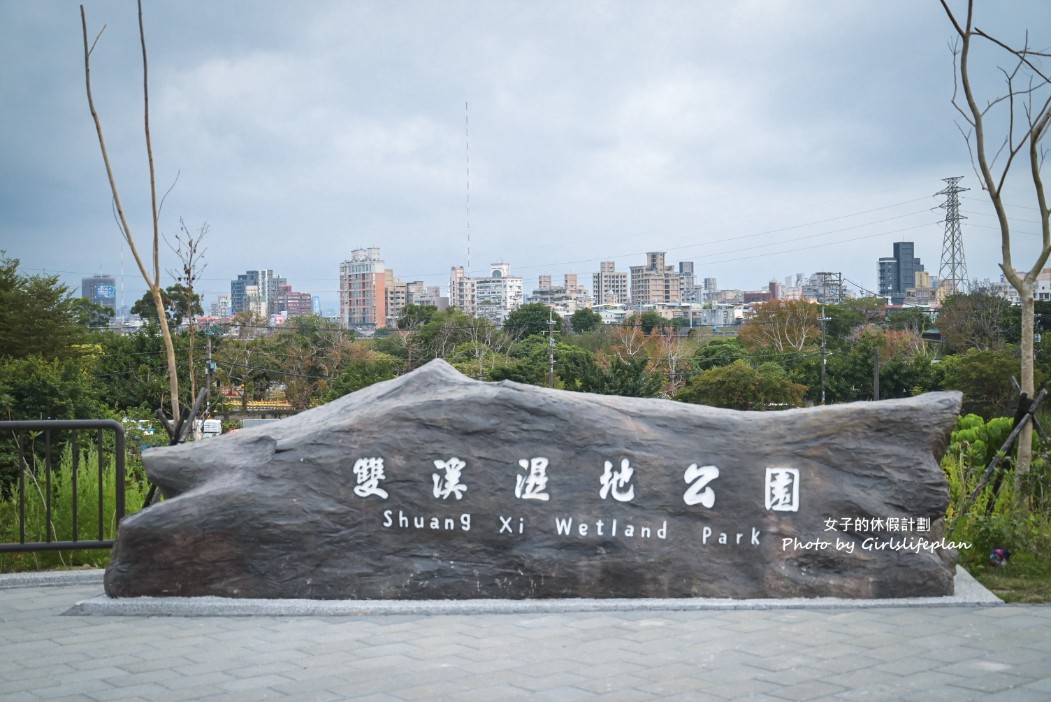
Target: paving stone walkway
(923,653)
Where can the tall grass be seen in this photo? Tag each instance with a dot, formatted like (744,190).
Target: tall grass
(38,528)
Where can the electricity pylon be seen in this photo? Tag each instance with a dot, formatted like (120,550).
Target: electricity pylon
(952,275)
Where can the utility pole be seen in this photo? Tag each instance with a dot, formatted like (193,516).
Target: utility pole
(823,353)
(875,373)
(823,319)
(550,348)
(209,369)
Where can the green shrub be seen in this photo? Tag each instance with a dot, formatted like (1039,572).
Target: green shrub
(995,517)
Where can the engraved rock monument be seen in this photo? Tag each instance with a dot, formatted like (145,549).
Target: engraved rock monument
(436,486)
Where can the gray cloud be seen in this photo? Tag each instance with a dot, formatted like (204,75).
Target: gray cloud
(300,131)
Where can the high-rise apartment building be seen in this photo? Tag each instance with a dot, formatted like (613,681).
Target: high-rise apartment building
(824,288)
(255,291)
(897,273)
(221,306)
(610,286)
(363,290)
(401,293)
(492,297)
(655,283)
(293,304)
(431,295)
(565,299)
(462,291)
(498,294)
(689,291)
(239,298)
(101,290)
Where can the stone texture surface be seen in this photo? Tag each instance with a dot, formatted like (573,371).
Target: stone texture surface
(282,511)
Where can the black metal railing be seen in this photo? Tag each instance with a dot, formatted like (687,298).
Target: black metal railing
(30,453)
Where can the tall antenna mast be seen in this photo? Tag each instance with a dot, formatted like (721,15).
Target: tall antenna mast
(120,311)
(467,150)
(954,266)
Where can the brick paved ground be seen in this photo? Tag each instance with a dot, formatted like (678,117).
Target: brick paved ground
(928,653)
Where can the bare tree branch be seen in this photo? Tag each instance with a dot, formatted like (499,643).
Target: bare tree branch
(1022,54)
(169,191)
(152,281)
(1017,102)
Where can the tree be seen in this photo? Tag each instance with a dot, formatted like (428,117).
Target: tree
(530,319)
(669,353)
(413,315)
(598,339)
(718,352)
(869,308)
(977,320)
(180,304)
(152,277)
(1023,109)
(584,320)
(436,338)
(740,386)
(484,346)
(244,361)
(97,315)
(528,362)
(33,387)
(628,376)
(841,321)
(904,365)
(453,335)
(367,369)
(309,353)
(984,378)
(650,320)
(912,319)
(39,315)
(129,368)
(780,326)
(188,249)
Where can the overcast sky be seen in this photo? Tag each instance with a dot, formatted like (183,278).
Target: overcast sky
(757,138)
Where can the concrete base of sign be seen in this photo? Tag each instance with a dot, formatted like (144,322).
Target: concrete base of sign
(435,486)
(967,591)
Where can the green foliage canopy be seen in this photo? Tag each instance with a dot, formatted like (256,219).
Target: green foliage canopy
(984,377)
(180,304)
(529,319)
(740,386)
(584,320)
(39,315)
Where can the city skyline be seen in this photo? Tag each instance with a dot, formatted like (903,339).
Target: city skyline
(592,132)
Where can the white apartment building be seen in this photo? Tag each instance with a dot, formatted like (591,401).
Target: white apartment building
(492,297)
(498,294)
(221,306)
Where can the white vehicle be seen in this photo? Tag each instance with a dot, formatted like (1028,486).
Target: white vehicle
(208,428)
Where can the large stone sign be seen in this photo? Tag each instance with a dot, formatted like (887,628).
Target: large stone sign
(437,486)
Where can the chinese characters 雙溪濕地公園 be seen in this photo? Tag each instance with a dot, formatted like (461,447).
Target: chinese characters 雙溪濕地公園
(616,480)
(781,490)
